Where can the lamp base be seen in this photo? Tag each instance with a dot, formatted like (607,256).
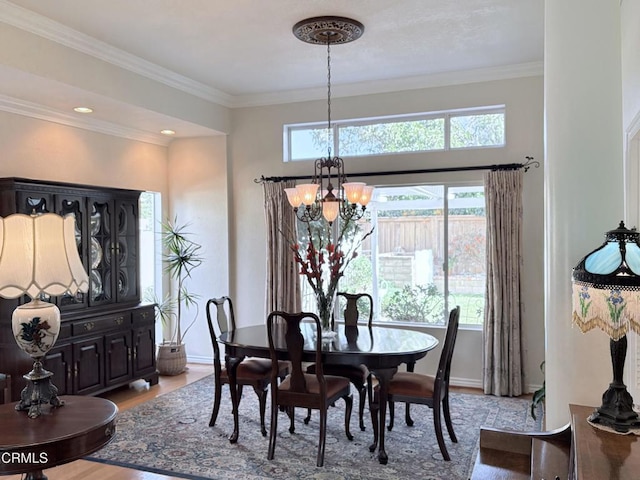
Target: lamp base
(616,411)
(39,391)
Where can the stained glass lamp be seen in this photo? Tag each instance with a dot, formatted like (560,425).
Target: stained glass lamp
(38,258)
(606,295)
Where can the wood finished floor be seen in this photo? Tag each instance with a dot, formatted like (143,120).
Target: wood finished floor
(127,398)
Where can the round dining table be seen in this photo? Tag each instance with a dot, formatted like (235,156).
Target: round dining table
(382,349)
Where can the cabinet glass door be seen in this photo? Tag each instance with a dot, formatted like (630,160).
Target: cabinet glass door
(126,266)
(101,252)
(77,207)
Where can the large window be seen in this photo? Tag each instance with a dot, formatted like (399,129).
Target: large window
(477,128)
(426,255)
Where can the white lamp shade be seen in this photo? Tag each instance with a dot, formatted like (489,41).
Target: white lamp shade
(293,196)
(330,209)
(38,255)
(307,192)
(367,193)
(353,191)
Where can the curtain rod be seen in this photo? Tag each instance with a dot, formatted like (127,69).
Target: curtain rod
(500,166)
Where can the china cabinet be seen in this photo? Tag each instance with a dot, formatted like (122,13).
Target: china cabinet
(107,336)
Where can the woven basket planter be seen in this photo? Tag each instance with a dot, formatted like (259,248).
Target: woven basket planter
(171,359)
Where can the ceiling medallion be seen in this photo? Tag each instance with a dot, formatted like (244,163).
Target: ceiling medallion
(328,29)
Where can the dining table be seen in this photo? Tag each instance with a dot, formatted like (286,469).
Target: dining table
(382,349)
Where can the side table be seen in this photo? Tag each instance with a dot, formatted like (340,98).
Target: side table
(59,435)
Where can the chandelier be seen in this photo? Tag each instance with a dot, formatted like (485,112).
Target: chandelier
(329,194)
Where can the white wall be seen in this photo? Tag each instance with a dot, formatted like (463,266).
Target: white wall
(49,151)
(198,196)
(255,149)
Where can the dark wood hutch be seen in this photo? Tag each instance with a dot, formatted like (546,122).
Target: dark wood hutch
(107,336)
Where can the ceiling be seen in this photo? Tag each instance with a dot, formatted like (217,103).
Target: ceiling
(242,52)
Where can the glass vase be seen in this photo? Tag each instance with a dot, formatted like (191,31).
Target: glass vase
(325,310)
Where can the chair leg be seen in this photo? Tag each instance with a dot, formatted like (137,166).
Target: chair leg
(273,431)
(375,416)
(348,400)
(262,400)
(392,414)
(447,418)
(437,424)
(292,414)
(363,393)
(407,415)
(308,417)
(323,437)
(216,403)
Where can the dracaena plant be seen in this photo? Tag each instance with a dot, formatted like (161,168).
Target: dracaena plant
(181,255)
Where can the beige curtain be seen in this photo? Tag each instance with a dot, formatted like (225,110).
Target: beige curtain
(283,283)
(503,365)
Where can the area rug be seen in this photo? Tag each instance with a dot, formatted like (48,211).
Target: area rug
(170,435)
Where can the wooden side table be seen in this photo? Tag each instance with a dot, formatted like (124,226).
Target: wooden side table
(59,435)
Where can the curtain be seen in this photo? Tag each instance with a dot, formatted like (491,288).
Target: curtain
(503,363)
(283,283)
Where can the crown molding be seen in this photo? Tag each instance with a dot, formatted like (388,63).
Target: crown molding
(42,26)
(33,110)
(51,30)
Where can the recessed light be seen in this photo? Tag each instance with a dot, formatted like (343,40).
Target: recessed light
(167,132)
(83,110)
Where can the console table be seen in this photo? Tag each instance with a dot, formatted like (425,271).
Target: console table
(578,451)
(59,435)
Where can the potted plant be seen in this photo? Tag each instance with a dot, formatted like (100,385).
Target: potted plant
(180,256)
(537,401)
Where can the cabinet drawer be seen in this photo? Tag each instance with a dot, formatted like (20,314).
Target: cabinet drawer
(65,331)
(101,324)
(143,316)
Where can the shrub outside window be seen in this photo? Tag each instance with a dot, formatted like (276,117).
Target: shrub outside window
(426,255)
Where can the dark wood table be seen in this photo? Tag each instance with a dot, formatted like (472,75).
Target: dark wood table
(381,349)
(59,435)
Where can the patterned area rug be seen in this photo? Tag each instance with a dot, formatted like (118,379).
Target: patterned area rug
(170,435)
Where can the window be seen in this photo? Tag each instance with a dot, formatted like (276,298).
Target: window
(150,250)
(426,255)
(478,128)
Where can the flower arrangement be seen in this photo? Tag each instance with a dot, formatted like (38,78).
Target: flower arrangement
(323,262)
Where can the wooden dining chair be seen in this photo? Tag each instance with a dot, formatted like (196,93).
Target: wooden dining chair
(300,389)
(433,391)
(358,374)
(254,372)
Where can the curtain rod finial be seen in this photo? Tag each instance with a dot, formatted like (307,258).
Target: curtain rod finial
(530,162)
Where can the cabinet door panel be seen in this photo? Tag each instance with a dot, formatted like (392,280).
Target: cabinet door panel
(58,361)
(118,356)
(144,350)
(88,356)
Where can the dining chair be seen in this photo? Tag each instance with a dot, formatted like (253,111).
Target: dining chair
(433,391)
(254,372)
(358,375)
(300,389)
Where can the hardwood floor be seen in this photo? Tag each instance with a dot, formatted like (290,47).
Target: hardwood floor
(126,398)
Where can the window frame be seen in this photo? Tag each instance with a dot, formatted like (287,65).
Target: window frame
(446,115)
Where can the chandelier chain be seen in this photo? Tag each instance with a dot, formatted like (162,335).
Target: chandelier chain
(329,95)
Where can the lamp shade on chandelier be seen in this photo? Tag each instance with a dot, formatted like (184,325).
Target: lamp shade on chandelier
(329,194)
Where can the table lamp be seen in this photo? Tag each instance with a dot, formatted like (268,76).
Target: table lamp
(38,257)
(606,291)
